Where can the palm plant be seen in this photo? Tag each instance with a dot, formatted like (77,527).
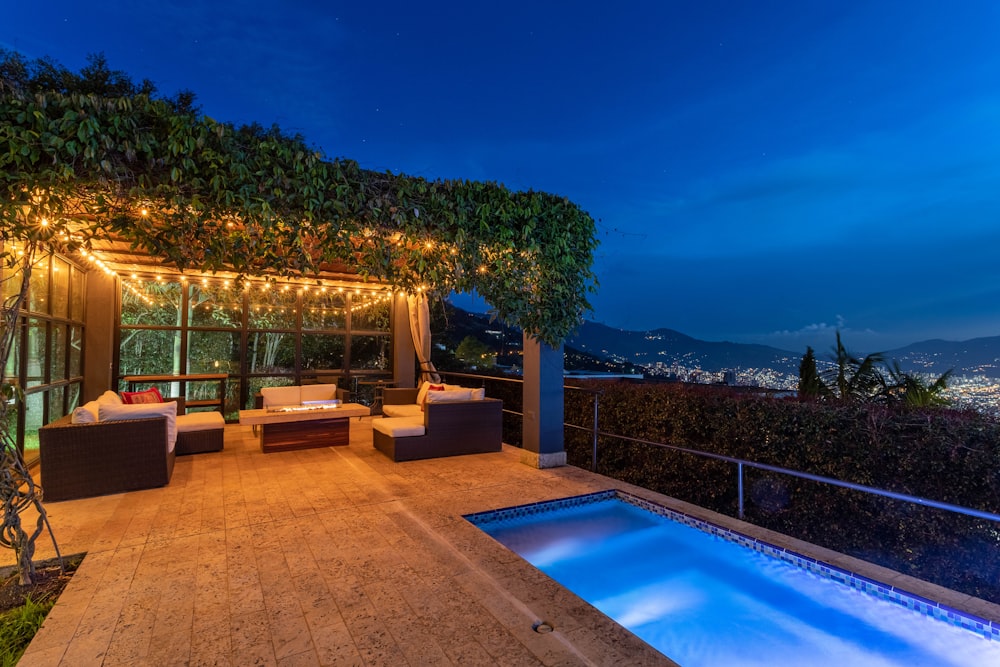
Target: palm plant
(915,392)
(851,379)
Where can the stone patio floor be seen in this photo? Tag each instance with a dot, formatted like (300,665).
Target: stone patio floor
(338,556)
(333,556)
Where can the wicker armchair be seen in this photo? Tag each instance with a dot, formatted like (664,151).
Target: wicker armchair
(83,460)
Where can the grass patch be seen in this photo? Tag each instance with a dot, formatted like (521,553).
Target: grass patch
(24,608)
(18,626)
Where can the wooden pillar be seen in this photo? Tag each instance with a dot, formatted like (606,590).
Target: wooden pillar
(404,358)
(100,335)
(542,431)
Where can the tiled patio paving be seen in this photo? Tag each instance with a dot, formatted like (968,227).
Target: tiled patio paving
(334,556)
(337,556)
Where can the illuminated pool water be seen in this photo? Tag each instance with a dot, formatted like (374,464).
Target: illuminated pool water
(704,599)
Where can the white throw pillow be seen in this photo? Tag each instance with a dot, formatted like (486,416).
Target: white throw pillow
(144,411)
(109,398)
(318,392)
(275,396)
(86,413)
(425,386)
(478,394)
(449,396)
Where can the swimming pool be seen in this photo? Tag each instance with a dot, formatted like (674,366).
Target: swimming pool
(703,595)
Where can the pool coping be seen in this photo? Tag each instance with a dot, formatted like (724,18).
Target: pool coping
(901,594)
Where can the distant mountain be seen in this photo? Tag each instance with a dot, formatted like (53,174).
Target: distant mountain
(979,356)
(672,348)
(599,347)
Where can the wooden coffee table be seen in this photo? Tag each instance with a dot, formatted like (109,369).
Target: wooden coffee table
(304,429)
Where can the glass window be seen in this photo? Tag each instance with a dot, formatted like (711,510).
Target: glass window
(272,308)
(56,396)
(370,353)
(218,305)
(213,352)
(323,310)
(255,384)
(34,418)
(271,352)
(231,409)
(37,352)
(57,359)
(75,351)
(78,294)
(38,295)
(11,282)
(73,393)
(14,360)
(149,352)
(370,312)
(322,352)
(60,287)
(151,303)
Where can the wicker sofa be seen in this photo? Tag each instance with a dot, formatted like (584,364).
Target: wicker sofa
(448,428)
(95,459)
(123,452)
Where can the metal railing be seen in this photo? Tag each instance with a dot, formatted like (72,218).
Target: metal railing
(740,464)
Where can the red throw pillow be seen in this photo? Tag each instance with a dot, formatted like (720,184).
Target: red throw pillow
(151,395)
(433,387)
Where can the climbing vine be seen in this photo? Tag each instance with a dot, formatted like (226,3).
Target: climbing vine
(209,196)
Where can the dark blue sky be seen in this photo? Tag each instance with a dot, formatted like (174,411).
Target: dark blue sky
(761,171)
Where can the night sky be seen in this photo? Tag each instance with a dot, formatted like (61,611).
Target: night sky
(760,171)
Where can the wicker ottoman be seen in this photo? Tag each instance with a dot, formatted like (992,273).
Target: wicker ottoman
(199,432)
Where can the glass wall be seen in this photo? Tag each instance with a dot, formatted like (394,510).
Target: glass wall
(259,335)
(47,357)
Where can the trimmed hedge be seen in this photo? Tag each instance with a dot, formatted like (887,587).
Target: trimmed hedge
(942,455)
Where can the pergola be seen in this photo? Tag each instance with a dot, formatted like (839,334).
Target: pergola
(134,182)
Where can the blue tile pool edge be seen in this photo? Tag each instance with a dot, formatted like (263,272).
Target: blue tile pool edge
(980,626)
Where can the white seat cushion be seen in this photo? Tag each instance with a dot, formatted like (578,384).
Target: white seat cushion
(402,410)
(200,421)
(399,427)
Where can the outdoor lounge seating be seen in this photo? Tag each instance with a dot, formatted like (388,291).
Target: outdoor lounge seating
(133,448)
(300,394)
(200,432)
(108,447)
(449,425)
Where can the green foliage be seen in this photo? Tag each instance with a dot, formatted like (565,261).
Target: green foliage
(868,380)
(475,354)
(18,627)
(852,379)
(914,392)
(943,455)
(95,156)
(810,385)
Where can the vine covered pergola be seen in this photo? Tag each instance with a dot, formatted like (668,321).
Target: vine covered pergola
(201,195)
(92,162)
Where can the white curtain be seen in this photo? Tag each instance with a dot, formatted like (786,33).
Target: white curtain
(420,330)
